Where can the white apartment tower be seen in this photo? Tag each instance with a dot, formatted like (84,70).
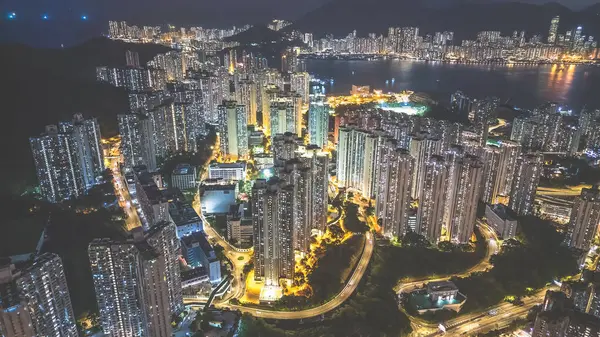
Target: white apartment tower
(585,218)
(137,282)
(57,165)
(34,299)
(466,199)
(422,147)
(430,216)
(393,189)
(233,130)
(272,221)
(318,117)
(525,183)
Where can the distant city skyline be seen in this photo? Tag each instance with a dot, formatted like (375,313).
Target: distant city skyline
(39,23)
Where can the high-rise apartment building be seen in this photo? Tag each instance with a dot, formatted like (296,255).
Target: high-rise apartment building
(318,164)
(430,216)
(483,111)
(490,156)
(138,140)
(466,198)
(137,282)
(57,165)
(233,129)
(272,220)
(299,83)
(559,317)
(585,218)
(357,164)
(318,116)
(509,155)
(461,104)
(308,174)
(34,299)
(86,136)
(422,147)
(247,95)
(553,31)
(177,127)
(132,59)
(525,182)
(286,114)
(284,147)
(393,189)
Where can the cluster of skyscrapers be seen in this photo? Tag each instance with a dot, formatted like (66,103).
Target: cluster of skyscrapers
(123,31)
(428,176)
(572,312)
(68,158)
(488,46)
(34,298)
(138,282)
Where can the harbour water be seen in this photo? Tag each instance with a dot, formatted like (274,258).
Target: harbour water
(524,86)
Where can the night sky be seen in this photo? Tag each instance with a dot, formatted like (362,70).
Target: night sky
(54,22)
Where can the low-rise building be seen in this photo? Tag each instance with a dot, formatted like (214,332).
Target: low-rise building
(556,209)
(502,219)
(263,161)
(217,198)
(185,218)
(199,253)
(227,171)
(193,277)
(436,296)
(184,177)
(239,227)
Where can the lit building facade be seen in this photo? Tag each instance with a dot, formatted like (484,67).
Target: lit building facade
(585,218)
(430,216)
(318,117)
(137,282)
(138,140)
(357,152)
(467,190)
(34,299)
(233,130)
(57,165)
(422,147)
(525,183)
(272,220)
(393,189)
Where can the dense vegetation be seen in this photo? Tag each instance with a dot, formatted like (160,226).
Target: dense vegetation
(329,275)
(351,222)
(531,261)
(373,309)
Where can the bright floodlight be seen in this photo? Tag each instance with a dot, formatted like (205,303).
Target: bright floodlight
(267,173)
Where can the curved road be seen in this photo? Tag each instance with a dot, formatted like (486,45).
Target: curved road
(349,288)
(483,265)
(492,248)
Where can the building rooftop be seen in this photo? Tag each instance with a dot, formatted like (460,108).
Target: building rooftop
(182,169)
(504,212)
(188,275)
(219,187)
(441,286)
(183,213)
(200,239)
(227,165)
